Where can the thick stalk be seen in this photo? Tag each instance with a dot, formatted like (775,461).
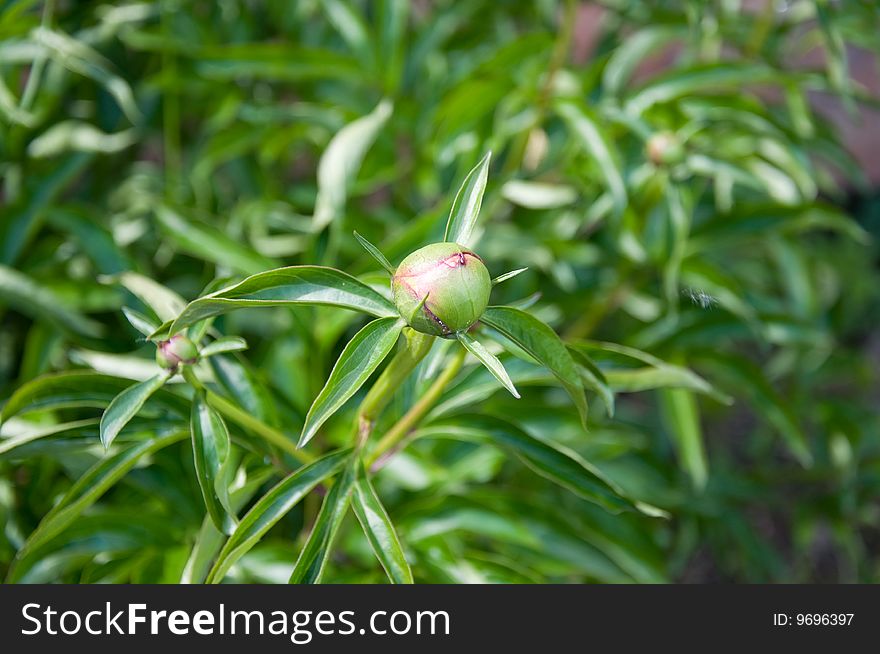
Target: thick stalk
(404,362)
(402,428)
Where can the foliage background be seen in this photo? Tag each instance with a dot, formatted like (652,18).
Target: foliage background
(190,143)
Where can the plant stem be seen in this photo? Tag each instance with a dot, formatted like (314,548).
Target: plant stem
(402,428)
(246,420)
(404,362)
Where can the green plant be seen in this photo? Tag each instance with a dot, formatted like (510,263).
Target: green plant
(694,227)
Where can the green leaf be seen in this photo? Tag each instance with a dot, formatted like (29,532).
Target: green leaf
(658,374)
(139,321)
(78,57)
(585,126)
(542,343)
(288,286)
(341,160)
(35,300)
(681,415)
(126,405)
(555,462)
(75,389)
(538,195)
(78,136)
(360,358)
(489,360)
(508,275)
(593,378)
(86,491)
(309,566)
(210,441)
(378,529)
(209,243)
(223,344)
(9,442)
(273,506)
(466,206)
(164,302)
(375,253)
(210,540)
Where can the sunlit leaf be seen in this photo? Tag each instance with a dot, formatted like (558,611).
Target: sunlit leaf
(466,205)
(126,405)
(379,530)
(542,343)
(273,506)
(309,568)
(360,358)
(288,286)
(489,360)
(342,159)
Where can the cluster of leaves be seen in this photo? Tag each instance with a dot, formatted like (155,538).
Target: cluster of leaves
(682,231)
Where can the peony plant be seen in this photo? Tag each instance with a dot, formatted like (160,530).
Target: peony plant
(439,293)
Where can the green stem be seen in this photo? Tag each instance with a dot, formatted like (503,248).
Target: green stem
(246,420)
(404,362)
(402,428)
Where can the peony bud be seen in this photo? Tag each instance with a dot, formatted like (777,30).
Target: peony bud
(455,282)
(664,148)
(176,350)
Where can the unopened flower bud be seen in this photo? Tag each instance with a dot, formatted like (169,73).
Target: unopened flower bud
(176,350)
(665,148)
(441,289)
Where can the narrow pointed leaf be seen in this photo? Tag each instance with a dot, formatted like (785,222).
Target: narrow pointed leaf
(210,540)
(378,529)
(374,252)
(360,358)
(9,442)
(489,360)
(341,160)
(273,506)
(542,343)
(593,378)
(585,126)
(126,405)
(466,206)
(555,462)
(288,286)
(508,275)
(139,321)
(658,373)
(207,242)
(210,441)
(79,389)
(309,566)
(224,344)
(164,302)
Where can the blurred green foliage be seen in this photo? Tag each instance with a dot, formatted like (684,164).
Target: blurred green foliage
(689,221)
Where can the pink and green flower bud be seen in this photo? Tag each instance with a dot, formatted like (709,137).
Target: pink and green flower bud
(441,289)
(176,350)
(665,148)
